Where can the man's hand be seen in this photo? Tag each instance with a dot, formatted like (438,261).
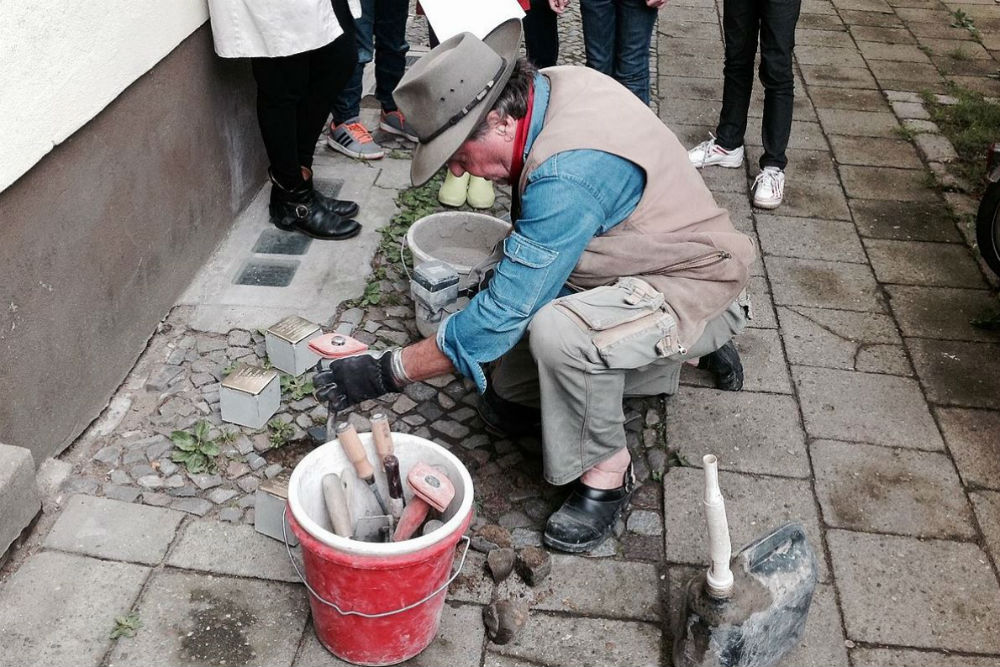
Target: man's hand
(656,4)
(558,6)
(350,380)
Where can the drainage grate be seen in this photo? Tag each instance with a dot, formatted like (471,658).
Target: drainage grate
(277,242)
(267,273)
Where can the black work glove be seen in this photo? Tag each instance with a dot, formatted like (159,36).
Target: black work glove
(350,380)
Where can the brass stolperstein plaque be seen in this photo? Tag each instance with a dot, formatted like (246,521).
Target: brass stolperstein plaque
(249,379)
(293,329)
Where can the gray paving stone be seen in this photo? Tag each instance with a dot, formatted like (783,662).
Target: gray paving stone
(846,98)
(899,52)
(880,490)
(958,373)
(987,506)
(803,165)
(922,263)
(756,505)
(814,283)
(587,642)
(108,455)
(886,183)
(834,338)
(474,584)
(930,594)
(874,151)
(820,22)
(199,619)
(805,135)
(763,363)
(914,110)
(865,407)
(835,76)
(196,506)
(888,359)
(57,609)
(205,481)
(211,546)
(971,436)
(755,433)
(882,34)
(859,123)
(810,239)
(904,221)
(933,312)
(684,111)
(806,199)
(883,657)
(645,522)
(935,148)
(763,304)
(162,377)
(825,55)
(812,37)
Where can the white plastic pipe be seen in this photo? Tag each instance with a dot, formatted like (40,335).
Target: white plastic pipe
(719,577)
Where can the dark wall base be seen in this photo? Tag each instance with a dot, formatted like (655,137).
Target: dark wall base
(99,239)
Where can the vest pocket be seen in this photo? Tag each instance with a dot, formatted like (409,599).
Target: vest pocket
(518,281)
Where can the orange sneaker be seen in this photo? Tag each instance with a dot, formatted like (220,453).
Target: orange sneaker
(352,139)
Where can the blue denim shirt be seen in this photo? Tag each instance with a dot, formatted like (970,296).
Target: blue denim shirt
(570,198)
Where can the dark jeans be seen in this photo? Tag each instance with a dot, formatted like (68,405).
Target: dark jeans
(381,35)
(541,36)
(294,94)
(775,21)
(616,37)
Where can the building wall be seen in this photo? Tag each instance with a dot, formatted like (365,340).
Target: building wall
(99,237)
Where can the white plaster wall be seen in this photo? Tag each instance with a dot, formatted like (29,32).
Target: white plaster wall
(63,61)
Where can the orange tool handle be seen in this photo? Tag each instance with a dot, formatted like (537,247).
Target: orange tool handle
(382,436)
(355,451)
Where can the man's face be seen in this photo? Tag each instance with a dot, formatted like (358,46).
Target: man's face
(488,157)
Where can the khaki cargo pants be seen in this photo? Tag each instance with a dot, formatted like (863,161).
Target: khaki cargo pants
(584,352)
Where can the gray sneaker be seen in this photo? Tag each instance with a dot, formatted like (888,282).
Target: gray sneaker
(352,139)
(394,122)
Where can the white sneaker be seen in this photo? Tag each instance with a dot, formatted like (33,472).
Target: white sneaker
(708,153)
(769,188)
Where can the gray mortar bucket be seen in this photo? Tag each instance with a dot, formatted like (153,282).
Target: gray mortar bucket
(460,238)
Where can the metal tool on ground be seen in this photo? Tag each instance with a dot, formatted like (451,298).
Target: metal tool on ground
(337,507)
(751,617)
(396,503)
(431,488)
(355,452)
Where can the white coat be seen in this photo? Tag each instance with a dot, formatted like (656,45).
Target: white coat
(272,28)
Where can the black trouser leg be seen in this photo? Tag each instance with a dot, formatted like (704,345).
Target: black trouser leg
(740,23)
(777,40)
(329,70)
(541,34)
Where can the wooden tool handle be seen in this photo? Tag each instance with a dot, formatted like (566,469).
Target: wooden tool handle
(336,505)
(382,435)
(355,451)
(412,517)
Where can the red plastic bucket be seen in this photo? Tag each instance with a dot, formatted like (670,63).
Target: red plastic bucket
(376,603)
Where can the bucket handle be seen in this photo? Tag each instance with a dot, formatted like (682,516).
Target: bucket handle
(288,548)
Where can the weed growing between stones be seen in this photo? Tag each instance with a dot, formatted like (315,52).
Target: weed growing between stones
(280,432)
(125,626)
(195,450)
(296,388)
(971,124)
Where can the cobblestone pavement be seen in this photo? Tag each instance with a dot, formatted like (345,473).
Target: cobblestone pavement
(870,414)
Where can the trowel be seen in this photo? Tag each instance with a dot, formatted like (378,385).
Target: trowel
(749,611)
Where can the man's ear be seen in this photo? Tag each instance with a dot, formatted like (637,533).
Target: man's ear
(505,126)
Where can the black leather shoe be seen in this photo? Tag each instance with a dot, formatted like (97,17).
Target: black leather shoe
(725,364)
(342,207)
(588,516)
(302,211)
(508,419)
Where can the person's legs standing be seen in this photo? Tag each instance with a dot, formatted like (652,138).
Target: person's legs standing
(740,22)
(598,19)
(347,134)
(541,34)
(390,63)
(330,68)
(282,83)
(777,40)
(634,30)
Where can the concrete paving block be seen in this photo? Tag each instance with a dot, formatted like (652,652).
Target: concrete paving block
(820,284)
(925,594)
(973,50)
(922,263)
(880,490)
(886,183)
(972,436)
(874,152)
(748,432)
(727,180)
(813,37)
(904,221)
(888,359)
(885,70)
(697,66)
(115,530)
(848,122)
(882,34)
(820,22)
(805,135)
(698,88)
(884,657)
(763,304)
(825,97)
(935,148)
(833,338)
(474,584)
(804,165)
(763,364)
(394,174)
(897,52)
(941,312)
(957,373)
(198,619)
(914,110)
(829,240)
(755,505)
(825,55)
(211,546)
(19,500)
(592,587)
(987,506)
(684,111)
(584,642)
(459,643)
(57,609)
(836,76)
(865,407)
(815,200)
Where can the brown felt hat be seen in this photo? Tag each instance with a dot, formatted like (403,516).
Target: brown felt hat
(449,91)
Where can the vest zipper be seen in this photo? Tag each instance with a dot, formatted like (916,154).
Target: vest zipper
(699,262)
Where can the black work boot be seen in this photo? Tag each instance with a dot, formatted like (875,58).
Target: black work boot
(726,366)
(588,515)
(301,210)
(342,207)
(508,419)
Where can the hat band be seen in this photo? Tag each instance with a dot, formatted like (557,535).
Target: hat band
(464,111)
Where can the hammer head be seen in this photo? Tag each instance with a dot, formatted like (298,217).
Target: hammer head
(431,485)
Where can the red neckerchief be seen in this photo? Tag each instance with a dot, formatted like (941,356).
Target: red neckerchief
(520,139)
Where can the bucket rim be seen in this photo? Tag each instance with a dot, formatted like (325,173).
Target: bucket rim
(472,215)
(383,549)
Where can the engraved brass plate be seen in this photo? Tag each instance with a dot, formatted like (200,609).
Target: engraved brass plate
(293,329)
(249,379)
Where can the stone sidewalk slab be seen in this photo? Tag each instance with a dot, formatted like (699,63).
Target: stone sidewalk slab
(941,312)
(831,38)
(859,99)
(866,657)
(880,490)
(200,619)
(19,494)
(865,407)
(683,111)
(957,373)
(803,165)
(114,530)
(763,304)
(874,151)
(458,643)
(987,507)
(922,263)
(835,76)
(932,594)
(904,221)
(825,55)
(841,339)
(898,52)
(584,642)
(884,35)
(222,548)
(848,122)
(830,240)
(58,609)
(886,183)
(815,200)
(764,364)
(972,439)
(806,135)
(821,284)
(756,505)
(748,432)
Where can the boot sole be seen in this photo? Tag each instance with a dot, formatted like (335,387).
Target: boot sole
(385,127)
(338,237)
